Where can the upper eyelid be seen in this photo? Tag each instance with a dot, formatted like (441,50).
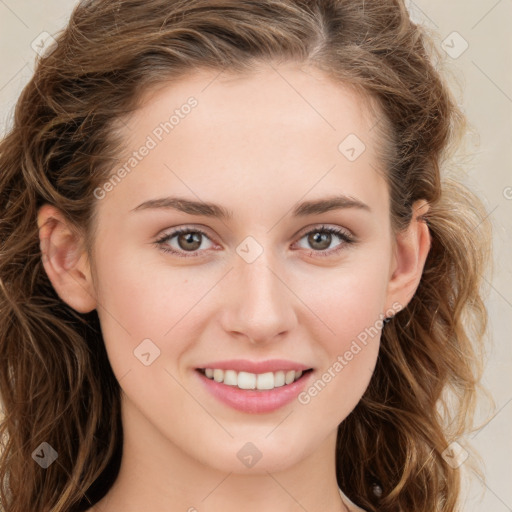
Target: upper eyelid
(176,230)
(320,227)
(301,233)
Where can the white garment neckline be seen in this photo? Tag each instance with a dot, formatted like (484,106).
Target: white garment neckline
(352,506)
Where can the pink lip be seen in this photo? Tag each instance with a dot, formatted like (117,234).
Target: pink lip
(244,365)
(255,401)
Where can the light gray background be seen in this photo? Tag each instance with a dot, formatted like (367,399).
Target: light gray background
(484,73)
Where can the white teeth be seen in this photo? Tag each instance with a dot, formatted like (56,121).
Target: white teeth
(290,376)
(246,380)
(230,378)
(265,381)
(278,379)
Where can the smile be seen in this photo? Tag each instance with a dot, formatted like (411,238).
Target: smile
(254,393)
(247,380)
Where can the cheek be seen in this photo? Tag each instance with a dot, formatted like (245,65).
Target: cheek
(354,310)
(349,300)
(137,303)
(350,304)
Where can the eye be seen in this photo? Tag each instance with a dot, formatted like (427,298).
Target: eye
(188,240)
(320,239)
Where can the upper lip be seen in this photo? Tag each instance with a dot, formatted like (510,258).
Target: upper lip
(244,365)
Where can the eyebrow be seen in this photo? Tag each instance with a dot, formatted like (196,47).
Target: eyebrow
(214,210)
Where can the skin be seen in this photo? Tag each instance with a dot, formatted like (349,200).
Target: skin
(256,144)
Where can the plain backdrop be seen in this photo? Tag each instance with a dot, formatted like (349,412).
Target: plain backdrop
(476,36)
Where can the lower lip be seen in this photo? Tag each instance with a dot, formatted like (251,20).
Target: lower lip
(253,401)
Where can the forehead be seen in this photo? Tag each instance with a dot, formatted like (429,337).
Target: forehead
(290,91)
(280,128)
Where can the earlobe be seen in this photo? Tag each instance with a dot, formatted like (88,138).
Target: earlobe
(411,250)
(64,260)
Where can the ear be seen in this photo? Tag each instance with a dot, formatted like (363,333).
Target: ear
(410,253)
(64,259)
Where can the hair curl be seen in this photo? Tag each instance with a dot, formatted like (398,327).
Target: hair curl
(55,378)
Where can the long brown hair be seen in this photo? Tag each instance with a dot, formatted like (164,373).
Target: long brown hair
(56,382)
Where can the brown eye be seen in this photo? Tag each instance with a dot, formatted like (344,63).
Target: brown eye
(183,242)
(190,241)
(320,240)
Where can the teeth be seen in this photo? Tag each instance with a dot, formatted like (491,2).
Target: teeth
(246,380)
(265,381)
(279,379)
(230,378)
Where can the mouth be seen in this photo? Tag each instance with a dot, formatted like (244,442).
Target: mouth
(254,381)
(255,393)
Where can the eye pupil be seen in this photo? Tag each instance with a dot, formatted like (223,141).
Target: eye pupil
(320,237)
(189,238)
(190,241)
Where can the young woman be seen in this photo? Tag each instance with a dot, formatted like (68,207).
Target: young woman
(232,274)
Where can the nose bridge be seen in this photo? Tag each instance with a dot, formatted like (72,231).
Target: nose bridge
(262,307)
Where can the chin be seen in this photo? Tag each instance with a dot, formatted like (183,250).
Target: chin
(252,457)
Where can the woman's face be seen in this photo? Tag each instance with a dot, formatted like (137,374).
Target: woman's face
(264,285)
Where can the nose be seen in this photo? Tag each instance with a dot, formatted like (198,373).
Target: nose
(260,305)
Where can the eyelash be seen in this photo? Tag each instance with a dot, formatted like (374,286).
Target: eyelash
(343,235)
